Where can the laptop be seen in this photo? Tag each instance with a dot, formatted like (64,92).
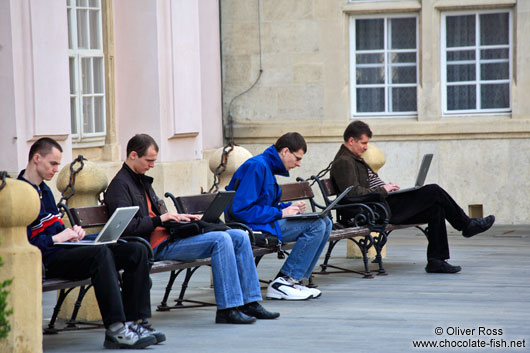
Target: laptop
(324,212)
(111,231)
(214,209)
(218,205)
(422,175)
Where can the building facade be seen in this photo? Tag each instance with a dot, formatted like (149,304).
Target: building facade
(447,77)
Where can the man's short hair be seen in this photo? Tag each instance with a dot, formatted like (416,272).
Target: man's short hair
(356,129)
(43,146)
(139,143)
(293,141)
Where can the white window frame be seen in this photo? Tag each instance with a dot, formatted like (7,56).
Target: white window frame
(82,138)
(388,68)
(478,61)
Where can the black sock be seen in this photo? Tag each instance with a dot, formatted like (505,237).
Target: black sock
(280,274)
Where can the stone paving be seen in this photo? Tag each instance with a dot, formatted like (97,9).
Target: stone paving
(487,303)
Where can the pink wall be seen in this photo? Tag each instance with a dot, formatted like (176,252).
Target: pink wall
(168,75)
(34,84)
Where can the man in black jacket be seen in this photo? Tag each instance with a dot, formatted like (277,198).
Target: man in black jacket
(430,203)
(236,283)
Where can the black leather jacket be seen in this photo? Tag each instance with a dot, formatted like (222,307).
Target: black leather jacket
(131,189)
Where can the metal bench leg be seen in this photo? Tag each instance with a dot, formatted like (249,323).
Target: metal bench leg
(63,293)
(331,246)
(379,243)
(172,276)
(189,273)
(82,292)
(365,244)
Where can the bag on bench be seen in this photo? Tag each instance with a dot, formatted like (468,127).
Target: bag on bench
(265,240)
(179,230)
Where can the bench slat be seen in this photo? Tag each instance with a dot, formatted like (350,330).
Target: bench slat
(296,191)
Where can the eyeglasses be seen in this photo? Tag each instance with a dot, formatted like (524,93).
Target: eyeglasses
(298,159)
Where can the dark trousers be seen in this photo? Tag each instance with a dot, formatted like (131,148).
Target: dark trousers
(101,264)
(432,205)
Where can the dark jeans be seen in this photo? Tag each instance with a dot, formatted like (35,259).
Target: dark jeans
(101,263)
(432,205)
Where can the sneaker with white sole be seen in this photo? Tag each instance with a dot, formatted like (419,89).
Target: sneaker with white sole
(282,288)
(126,337)
(314,292)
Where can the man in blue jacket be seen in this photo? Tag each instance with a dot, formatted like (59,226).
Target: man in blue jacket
(257,204)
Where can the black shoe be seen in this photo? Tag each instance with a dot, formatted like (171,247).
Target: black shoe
(441,266)
(259,312)
(478,225)
(232,316)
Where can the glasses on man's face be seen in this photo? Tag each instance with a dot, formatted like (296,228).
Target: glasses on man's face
(298,159)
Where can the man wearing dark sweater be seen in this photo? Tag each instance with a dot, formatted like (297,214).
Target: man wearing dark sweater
(429,204)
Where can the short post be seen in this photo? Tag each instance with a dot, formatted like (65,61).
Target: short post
(89,183)
(235,159)
(19,206)
(375,159)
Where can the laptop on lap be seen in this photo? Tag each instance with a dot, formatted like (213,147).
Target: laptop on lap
(111,231)
(422,175)
(324,212)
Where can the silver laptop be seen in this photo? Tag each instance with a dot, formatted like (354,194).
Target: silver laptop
(422,175)
(111,231)
(324,212)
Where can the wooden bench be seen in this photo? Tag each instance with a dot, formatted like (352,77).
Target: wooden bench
(97,216)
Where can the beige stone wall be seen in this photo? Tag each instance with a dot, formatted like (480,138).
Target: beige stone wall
(304,86)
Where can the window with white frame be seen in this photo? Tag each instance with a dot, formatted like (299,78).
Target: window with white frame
(476,62)
(87,71)
(384,70)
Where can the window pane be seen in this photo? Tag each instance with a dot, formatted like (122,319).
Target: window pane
(460,55)
(86,77)
(70,40)
(494,29)
(370,100)
(88,110)
(460,73)
(461,97)
(82,2)
(495,96)
(369,34)
(494,54)
(95,32)
(72,75)
(82,29)
(495,71)
(404,99)
(371,75)
(369,58)
(99,114)
(99,83)
(404,74)
(403,57)
(403,33)
(93,3)
(73,115)
(460,31)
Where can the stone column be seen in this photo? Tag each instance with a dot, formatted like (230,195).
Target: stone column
(375,159)
(89,183)
(236,158)
(19,206)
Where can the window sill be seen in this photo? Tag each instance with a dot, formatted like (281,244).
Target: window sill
(370,7)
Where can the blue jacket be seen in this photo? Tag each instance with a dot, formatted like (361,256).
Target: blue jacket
(47,224)
(257,200)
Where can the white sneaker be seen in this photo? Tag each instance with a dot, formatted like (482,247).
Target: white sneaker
(315,293)
(282,288)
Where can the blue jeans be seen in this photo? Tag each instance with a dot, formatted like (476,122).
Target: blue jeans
(311,237)
(235,278)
